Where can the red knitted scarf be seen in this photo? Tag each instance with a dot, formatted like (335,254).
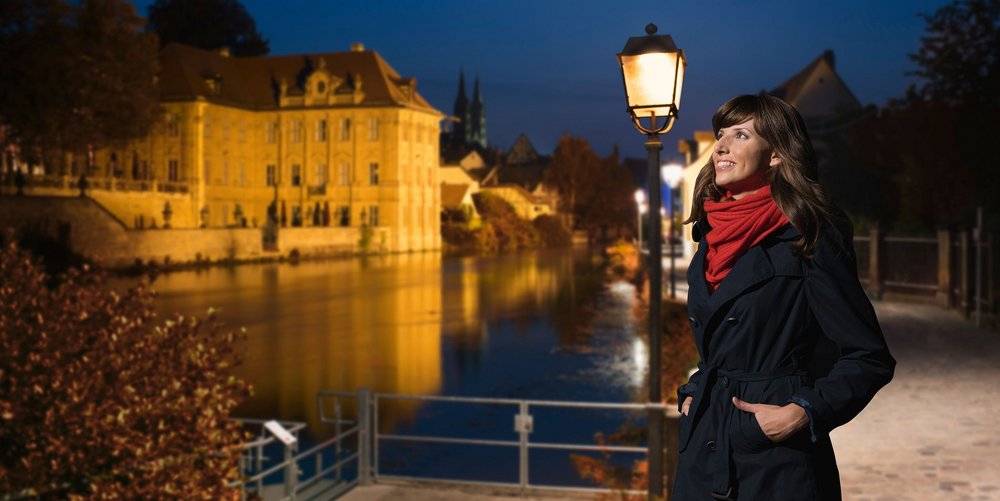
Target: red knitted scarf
(738,225)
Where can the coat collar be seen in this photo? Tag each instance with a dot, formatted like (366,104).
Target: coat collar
(751,269)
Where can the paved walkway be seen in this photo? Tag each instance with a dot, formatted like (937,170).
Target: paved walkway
(932,434)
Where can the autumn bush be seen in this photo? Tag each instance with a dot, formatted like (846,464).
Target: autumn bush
(552,231)
(101,400)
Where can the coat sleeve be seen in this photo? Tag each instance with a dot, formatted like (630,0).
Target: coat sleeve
(688,389)
(846,317)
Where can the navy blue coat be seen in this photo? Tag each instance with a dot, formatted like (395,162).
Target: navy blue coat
(779,329)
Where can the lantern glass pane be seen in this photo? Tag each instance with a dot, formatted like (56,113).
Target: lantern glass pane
(649,80)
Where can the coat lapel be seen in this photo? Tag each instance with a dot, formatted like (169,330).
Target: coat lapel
(751,269)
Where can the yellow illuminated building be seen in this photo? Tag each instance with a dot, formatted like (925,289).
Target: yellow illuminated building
(334,141)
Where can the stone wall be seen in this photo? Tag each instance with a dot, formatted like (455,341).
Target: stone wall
(87,228)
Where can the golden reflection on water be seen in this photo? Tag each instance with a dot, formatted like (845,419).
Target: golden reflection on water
(375,323)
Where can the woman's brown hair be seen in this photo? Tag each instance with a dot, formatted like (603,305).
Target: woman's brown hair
(794,181)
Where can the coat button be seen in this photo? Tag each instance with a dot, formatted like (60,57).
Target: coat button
(724,382)
(733,320)
(711,445)
(694,321)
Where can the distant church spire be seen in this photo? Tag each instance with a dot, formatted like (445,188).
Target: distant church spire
(470,130)
(475,131)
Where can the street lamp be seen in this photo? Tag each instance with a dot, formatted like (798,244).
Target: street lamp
(653,72)
(640,203)
(672,173)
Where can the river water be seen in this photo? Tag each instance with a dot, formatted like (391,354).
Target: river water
(536,325)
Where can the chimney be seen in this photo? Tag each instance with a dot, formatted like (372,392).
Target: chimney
(224,52)
(357,47)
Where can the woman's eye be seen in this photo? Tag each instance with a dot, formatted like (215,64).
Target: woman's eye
(742,135)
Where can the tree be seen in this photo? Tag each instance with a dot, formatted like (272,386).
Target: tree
(595,191)
(959,84)
(208,24)
(570,174)
(959,56)
(99,399)
(73,75)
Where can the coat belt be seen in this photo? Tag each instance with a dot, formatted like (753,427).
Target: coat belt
(722,481)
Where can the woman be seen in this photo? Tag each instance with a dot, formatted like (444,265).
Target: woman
(789,343)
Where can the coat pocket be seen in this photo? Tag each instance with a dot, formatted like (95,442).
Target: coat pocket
(686,423)
(745,434)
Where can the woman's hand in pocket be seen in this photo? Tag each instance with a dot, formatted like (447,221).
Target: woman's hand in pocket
(686,406)
(778,422)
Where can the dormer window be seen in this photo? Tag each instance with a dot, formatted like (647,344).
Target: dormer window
(321,87)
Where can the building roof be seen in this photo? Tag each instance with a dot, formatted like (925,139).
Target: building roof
(452,195)
(186,73)
(818,90)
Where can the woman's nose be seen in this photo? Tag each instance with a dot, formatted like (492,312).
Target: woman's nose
(722,145)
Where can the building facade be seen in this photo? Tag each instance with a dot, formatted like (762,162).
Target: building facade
(332,140)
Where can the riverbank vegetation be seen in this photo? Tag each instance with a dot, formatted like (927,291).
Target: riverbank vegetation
(100,399)
(501,229)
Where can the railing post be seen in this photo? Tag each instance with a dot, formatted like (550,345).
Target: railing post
(523,425)
(290,472)
(963,272)
(875,261)
(337,428)
(943,296)
(365,437)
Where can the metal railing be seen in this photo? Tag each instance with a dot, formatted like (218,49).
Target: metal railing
(371,441)
(273,470)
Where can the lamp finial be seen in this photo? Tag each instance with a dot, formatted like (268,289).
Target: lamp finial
(650,29)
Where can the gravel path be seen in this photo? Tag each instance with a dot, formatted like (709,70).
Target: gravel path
(933,432)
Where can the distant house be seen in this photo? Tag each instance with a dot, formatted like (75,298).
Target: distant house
(458,198)
(828,107)
(519,181)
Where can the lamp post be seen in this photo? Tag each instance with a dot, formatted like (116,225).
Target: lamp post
(672,173)
(640,203)
(653,72)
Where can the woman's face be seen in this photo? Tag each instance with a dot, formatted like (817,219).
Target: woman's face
(741,159)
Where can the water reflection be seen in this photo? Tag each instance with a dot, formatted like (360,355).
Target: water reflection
(533,325)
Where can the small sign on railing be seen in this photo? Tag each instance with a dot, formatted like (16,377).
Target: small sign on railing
(280,432)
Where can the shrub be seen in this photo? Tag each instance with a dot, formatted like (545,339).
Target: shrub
(98,400)
(552,232)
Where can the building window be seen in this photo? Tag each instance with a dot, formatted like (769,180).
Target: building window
(225,172)
(173,171)
(373,215)
(206,172)
(345,174)
(243,131)
(296,132)
(225,130)
(320,178)
(373,129)
(296,175)
(272,175)
(243,175)
(270,131)
(373,173)
(345,129)
(173,125)
(344,215)
(321,131)
(208,128)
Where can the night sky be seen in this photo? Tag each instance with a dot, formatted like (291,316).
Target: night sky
(548,66)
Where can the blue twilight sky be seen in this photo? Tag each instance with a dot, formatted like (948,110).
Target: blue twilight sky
(548,66)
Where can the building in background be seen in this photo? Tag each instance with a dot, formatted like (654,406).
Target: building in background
(331,140)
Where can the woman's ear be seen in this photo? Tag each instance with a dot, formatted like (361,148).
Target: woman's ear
(775,159)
